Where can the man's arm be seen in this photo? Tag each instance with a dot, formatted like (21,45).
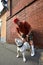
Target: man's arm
(29,32)
(20,34)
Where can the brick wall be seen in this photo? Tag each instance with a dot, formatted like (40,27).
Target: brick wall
(19,5)
(33,14)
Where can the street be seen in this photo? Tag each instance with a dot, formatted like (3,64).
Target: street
(8,56)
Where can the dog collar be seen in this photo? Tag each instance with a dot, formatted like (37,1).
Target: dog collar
(21,45)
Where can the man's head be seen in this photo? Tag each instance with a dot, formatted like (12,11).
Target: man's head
(17,21)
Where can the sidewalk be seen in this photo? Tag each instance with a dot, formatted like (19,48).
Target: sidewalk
(10,55)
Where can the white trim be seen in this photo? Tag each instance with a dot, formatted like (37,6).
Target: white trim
(3,39)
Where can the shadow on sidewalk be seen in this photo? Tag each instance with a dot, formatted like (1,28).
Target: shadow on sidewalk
(36,58)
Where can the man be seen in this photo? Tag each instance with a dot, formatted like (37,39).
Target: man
(25,33)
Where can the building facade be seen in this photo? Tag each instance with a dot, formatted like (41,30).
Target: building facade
(32,12)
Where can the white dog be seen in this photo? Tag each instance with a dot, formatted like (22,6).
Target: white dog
(21,47)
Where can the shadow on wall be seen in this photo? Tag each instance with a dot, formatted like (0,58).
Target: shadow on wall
(38,39)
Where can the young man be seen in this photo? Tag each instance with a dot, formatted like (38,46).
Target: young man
(25,33)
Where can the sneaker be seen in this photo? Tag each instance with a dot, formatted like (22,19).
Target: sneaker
(32,53)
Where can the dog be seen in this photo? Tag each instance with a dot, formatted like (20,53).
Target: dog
(21,47)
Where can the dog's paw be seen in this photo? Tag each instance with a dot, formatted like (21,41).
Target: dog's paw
(17,56)
(24,59)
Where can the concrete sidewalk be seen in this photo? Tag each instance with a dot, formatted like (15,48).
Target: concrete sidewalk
(8,56)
